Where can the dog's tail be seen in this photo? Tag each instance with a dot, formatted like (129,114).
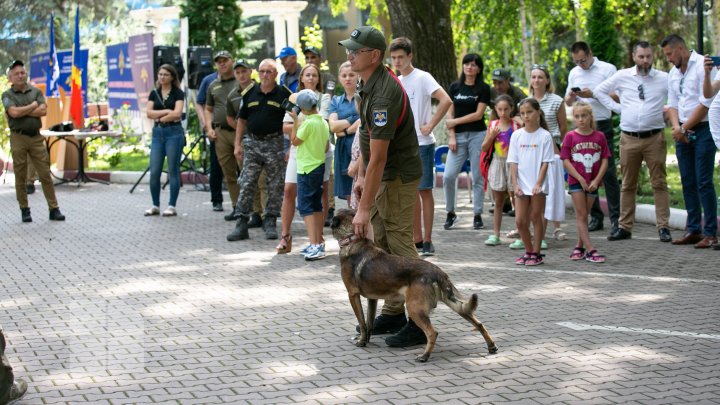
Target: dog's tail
(447,293)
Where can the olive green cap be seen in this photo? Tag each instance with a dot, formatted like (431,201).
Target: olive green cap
(365,37)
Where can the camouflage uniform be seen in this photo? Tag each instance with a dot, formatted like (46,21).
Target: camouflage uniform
(267,153)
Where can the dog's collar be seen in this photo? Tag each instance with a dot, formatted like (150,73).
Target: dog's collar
(347,241)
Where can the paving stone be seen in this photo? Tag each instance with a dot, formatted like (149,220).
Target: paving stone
(114,307)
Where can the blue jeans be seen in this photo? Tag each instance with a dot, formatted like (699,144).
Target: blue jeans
(696,162)
(469,146)
(166,141)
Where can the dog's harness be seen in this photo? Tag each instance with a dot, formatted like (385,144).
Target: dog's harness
(347,241)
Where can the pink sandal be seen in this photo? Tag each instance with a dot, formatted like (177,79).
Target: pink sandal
(578,253)
(535,259)
(520,261)
(594,257)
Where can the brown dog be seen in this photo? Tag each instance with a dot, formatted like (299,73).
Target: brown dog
(371,272)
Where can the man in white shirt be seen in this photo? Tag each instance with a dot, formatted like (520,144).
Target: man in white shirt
(421,88)
(695,149)
(642,91)
(583,79)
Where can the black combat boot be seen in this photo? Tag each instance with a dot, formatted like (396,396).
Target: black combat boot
(241,230)
(25,212)
(270,227)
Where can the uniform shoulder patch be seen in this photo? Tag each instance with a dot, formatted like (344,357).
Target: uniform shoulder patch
(379,117)
(247,89)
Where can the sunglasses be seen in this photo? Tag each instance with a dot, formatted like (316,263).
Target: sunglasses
(641,90)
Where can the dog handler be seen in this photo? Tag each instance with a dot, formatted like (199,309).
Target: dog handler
(388,180)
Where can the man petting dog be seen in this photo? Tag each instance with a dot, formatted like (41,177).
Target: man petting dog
(388,180)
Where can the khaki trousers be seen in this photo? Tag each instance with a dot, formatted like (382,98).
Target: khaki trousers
(31,148)
(653,151)
(225,151)
(392,219)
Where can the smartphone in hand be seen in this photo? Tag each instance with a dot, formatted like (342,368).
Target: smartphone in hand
(715,60)
(576,89)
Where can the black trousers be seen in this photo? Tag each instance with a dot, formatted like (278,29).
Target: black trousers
(216,177)
(610,180)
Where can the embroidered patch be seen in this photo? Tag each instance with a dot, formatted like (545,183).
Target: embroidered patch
(380,118)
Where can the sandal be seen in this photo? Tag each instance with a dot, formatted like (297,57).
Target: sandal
(578,253)
(520,261)
(559,234)
(534,259)
(513,234)
(594,257)
(152,211)
(285,244)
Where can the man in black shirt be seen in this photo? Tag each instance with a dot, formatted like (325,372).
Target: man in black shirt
(260,121)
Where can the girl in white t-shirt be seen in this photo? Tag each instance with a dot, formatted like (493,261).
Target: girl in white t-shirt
(531,150)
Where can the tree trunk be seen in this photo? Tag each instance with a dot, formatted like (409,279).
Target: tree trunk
(525,39)
(427,24)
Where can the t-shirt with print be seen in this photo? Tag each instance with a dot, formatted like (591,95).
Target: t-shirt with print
(419,86)
(585,153)
(502,141)
(530,150)
(465,101)
(314,133)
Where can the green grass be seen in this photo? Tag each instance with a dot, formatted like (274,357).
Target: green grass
(129,162)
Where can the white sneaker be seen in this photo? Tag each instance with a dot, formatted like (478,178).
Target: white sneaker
(154,210)
(316,252)
(169,212)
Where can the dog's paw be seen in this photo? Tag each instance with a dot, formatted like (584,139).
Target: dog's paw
(493,349)
(361,343)
(422,358)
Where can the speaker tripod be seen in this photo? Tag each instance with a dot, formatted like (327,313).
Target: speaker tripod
(188,165)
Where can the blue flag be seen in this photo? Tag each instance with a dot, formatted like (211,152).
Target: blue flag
(53,71)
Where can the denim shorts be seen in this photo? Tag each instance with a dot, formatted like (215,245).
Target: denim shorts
(427,157)
(576,188)
(310,190)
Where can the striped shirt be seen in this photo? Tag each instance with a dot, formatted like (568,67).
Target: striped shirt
(550,104)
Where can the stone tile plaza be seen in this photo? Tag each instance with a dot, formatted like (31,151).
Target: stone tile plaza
(110,307)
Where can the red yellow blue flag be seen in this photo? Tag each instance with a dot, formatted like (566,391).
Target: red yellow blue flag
(76,98)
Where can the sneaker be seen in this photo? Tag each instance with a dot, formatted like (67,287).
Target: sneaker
(25,214)
(255,220)
(409,335)
(56,215)
(518,244)
(17,390)
(428,249)
(270,227)
(385,324)
(419,246)
(543,245)
(30,188)
(240,232)
(169,212)
(316,252)
(305,250)
(511,213)
(217,207)
(451,220)
(477,222)
(492,240)
(152,211)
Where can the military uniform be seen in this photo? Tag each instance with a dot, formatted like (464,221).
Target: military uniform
(26,143)
(385,114)
(217,96)
(263,149)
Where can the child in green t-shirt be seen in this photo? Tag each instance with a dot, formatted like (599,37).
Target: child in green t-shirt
(311,138)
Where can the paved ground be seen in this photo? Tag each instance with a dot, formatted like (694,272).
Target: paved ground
(112,307)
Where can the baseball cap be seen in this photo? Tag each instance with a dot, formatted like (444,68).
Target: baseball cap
(222,54)
(365,37)
(287,51)
(312,49)
(501,74)
(306,99)
(16,62)
(241,63)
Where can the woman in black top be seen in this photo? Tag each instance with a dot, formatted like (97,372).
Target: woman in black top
(466,132)
(165,106)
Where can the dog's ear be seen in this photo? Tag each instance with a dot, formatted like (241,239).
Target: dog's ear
(335,222)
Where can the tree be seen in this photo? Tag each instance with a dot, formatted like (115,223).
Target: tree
(602,34)
(427,23)
(215,23)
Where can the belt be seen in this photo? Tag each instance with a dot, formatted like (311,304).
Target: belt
(19,132)
(699,126)
(167,124)
(643,134)
(223,126)
(265,136)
